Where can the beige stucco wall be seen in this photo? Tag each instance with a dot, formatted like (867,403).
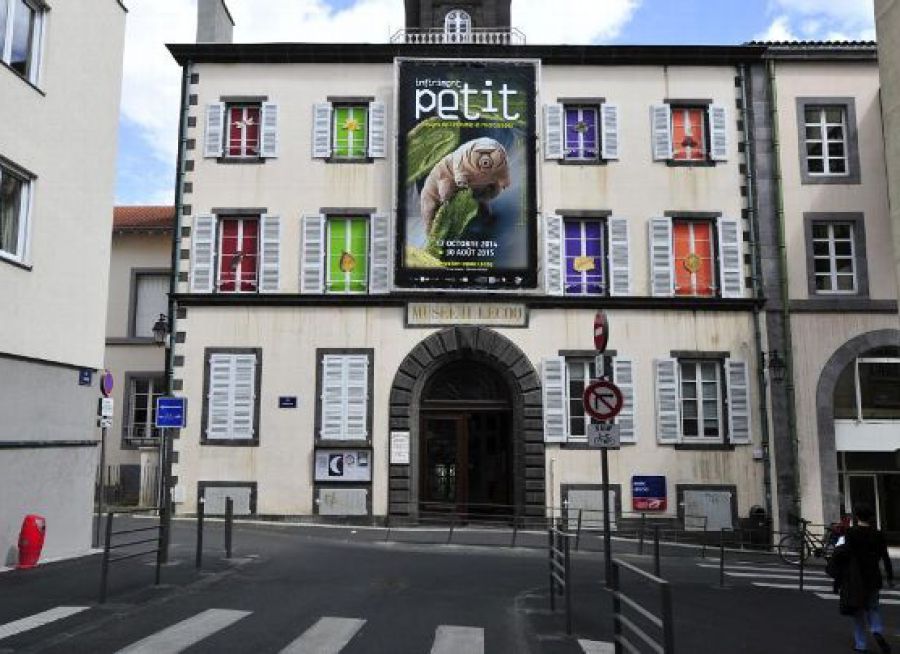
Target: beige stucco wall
(282,463)
(65,134)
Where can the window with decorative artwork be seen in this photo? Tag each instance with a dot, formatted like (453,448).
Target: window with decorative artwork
(347,254)
(689,133)
(693,244)
(238,254)
(582,135)
(242,138)
(581,131)
(585,257)
(350,131)
(241,128)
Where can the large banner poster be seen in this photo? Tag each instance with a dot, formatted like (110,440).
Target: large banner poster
(466,201)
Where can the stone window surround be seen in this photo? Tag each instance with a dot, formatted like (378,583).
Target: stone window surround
(861,270)
(220,442)
(853,175)
(370,401)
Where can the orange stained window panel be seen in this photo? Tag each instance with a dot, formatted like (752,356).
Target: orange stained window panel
(694,259)
(688,134)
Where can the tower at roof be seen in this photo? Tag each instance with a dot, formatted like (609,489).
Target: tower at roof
(459,22)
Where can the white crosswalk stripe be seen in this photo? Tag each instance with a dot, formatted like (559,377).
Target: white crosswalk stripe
(596,646)
(458,640)
(327,636)
(38,620)
(182,635)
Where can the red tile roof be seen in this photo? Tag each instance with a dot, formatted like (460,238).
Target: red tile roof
(139,218)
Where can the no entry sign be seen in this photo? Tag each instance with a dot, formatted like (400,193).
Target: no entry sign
(603,400)
(601,331)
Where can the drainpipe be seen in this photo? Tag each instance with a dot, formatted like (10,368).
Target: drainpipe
(755,275)
(165,463)
(785,296)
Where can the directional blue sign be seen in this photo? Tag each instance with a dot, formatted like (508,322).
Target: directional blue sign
(171,412)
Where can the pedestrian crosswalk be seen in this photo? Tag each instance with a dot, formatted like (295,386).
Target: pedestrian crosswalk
(38,620)
(783,577)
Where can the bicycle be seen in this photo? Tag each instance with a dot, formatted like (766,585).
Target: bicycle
(803,544)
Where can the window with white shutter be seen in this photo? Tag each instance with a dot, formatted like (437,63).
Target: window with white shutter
(738,379)
(668,427)
(661,130)
(718,133)
(377,130)
(623,376)
(231,403)
(553,131)
(610,140)
(312,254)
(619,257)
(662,283)
(151,298)
(380,259)
(321,136)
(553,257)
(553,373)
(269,148)
(689,133)
(731,259)
(270,255)
(203,253)
(215,130)
(344,393)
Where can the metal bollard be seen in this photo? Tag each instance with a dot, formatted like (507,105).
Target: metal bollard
(104,569)
(515,533)
(201,507)
(550,545)
(578,533)
(568,578)
(802,549)
(656,567)
(229,523)
(722,559)
(641,537)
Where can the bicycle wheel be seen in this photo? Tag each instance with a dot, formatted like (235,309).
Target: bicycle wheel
(791,549)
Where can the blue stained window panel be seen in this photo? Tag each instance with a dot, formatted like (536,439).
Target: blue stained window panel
(581,133)
(585,257)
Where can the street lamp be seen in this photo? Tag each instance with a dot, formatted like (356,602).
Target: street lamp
(776,365)
(161,330)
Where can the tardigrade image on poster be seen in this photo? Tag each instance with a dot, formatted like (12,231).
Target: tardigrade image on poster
(466,202)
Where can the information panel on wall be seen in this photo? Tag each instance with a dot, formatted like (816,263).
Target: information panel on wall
(343,465)
(466,205)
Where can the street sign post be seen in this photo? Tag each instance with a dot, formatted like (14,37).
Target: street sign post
(171,412)
(603,436)
(104,421)
(603,400)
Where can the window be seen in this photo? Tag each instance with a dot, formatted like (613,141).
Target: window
(238,255)
(689,134)
(242,134)
(869,387)
(344,380)
(701,399)
(150,297)
(231,398)
(694,260)
(350,131)
(585,257)
(13,214)
(581,371)
(457,26)
(347,255)
(582,133)
(20,36)
(141,418)
(826,140)
(834,258)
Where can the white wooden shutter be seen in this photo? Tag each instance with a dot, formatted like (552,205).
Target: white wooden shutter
(270,254)
(218,396)
(332,397)
(554,117)
(321,137)
(619,257)
(610,121)
(553,372)
(553,254)
(623,376)
(380,259)
(312,254)
(718,130)
(243,396)
(738,378)
(661,128)
(215,130)
(356,397)
(377,130)
(668,404)
(731,259)
(203,254)
(269,146)
(662,273)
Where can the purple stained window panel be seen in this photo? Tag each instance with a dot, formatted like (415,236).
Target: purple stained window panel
(581,133)
(585,257)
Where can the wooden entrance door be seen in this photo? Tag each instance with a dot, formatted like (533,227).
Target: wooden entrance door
(444,462)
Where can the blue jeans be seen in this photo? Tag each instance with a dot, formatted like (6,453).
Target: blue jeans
(868,617)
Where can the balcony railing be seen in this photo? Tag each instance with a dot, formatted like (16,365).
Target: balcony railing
(478,36)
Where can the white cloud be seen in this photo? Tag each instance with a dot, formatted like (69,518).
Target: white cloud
(836,20)
(779,30)
(573,21)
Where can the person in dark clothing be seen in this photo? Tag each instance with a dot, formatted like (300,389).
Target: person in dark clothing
(859,580)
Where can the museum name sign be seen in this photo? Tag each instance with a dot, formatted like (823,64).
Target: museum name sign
(497,314)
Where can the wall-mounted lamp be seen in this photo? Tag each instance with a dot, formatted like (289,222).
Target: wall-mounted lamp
(161,330)
(775,364)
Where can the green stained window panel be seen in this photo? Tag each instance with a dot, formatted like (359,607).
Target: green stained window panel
(351,127)
(347,255)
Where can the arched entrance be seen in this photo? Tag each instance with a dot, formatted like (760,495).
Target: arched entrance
(467,393)
(465,439)
(854,407)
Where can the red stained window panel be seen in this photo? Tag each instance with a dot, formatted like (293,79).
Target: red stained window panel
(694,258)
(238,254)
(243,131)
(688,134)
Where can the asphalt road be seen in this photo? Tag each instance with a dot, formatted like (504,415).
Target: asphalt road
(346,591)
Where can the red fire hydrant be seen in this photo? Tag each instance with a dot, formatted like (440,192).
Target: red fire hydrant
(31,540)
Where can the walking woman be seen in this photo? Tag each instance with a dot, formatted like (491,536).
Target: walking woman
(855,568)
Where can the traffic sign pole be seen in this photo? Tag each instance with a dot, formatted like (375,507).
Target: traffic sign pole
(607,538)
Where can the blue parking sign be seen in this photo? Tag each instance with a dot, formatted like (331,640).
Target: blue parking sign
(171,412)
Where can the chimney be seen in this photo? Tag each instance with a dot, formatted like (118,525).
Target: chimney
(214,22)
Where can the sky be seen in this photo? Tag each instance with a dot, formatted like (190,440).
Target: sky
(148,128)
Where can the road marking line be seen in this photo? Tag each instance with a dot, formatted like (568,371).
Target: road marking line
(596,646)
(327,636)
(182,635)
(756,575)
(832,596)
(782,570)
(38,620)
(458,640)
(792,586)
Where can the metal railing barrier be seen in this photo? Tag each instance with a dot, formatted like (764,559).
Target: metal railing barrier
(109,546)
(559,553)
(628,633)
